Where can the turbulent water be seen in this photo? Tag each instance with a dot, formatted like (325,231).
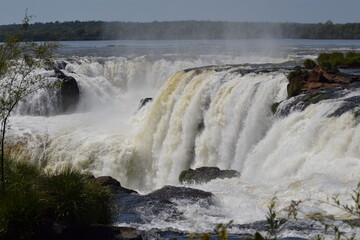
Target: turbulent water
(219,115)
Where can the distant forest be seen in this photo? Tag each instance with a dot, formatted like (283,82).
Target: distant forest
(98,30)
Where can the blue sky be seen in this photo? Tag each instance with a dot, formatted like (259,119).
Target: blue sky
(305,11)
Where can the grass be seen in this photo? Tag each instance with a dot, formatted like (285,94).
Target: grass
(65,197)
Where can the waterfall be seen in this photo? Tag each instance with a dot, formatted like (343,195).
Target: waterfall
(206,118)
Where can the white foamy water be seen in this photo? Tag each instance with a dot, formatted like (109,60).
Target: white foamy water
(202,117)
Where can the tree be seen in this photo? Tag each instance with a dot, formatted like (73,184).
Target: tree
(18,60)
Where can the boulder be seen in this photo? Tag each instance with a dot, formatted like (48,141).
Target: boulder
(69,91)
(113,184)
(172,192)
(205,174)
(70,94)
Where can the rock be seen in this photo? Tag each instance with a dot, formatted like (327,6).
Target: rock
(318,79)
(114,185)
(171,192)
(205,174)
(108,181)
(144,101)
(60,65)
(70,94)
(69,91)
(93,232)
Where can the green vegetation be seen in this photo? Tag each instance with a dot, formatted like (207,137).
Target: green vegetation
(28,195)
(65,197)
(274,107)
(294,89)
(99,30)
(18,60)
(335,60)
(296,72)
(309,64)
(316,98)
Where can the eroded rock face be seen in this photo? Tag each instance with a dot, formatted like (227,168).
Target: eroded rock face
(205,174)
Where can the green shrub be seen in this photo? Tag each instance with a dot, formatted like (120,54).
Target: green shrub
(72,199)
(332,61)
(296,72)
(294,89)
(309,64)
(65,197)
(274,107)
(21,206)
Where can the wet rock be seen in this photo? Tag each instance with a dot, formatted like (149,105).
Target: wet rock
(69,91)
(144,101)
(302,101)
(171,192)
(113,184)
(60,65)
(205,174)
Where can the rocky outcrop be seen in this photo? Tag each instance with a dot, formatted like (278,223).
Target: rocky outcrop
(205,174)
(319,79)
(69,91)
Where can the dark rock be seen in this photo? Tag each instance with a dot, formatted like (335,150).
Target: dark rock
(108,181)
(70,94)
(113,184)
(302,101)
(171,192)
(144,101)
(69,91)
(205,174)
(60,65)
(93,232)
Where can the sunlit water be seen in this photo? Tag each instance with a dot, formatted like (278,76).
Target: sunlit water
(206,117)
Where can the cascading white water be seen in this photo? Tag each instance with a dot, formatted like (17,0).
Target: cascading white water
(202,117)
(206,118)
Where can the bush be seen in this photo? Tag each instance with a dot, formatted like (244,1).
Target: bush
(72,199)
(332,61)
(65,197)
(21,206)
(309,64)
(296,72)
(274,107)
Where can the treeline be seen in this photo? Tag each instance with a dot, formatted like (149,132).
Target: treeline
(98,30)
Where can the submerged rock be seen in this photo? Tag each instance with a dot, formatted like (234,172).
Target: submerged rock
(205,174)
